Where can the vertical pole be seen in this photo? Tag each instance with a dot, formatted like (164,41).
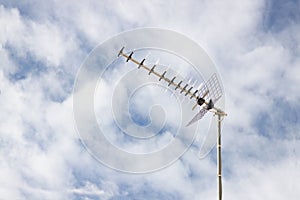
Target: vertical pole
(219,161)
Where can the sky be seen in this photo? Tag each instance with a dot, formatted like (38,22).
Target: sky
(255,46)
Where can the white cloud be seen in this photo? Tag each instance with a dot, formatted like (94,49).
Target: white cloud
(45,41)
(90,189)
(39,148)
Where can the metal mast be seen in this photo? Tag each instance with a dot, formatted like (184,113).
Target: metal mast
(219,154)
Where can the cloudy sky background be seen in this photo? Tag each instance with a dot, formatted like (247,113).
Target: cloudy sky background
(255,45)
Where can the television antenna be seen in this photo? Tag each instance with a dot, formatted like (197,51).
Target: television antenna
(205,97)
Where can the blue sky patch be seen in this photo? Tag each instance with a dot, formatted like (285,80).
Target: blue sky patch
(281,13)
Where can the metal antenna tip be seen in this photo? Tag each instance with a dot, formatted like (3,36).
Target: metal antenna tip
(121,51)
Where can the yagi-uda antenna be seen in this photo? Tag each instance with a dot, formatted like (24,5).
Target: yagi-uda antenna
(205,97)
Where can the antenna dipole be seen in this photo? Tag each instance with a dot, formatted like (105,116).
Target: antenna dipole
(211,91)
